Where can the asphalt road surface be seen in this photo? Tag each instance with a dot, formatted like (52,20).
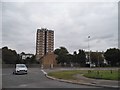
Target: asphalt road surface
(34,79)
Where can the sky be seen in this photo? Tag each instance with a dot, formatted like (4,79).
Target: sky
(72,23)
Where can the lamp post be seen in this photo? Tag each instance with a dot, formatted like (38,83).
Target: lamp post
(98,59)
(89,51)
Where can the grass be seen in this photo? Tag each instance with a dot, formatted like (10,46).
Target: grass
(65,74)
(101,74)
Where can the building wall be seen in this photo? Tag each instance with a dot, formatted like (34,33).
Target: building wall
(25,56)
(40,43)
(49,60)
(50,41)
(44,42)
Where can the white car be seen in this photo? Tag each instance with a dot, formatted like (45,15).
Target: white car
(20,69)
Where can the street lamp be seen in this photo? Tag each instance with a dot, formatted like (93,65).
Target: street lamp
(89,51)
(98,59)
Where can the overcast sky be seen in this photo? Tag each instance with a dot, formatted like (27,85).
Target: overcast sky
(71,22)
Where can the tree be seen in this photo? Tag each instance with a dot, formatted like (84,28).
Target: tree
(112,55)
(28,60)
(33,60)
(62,57)
(19,60)
(57,51)
(9,56)
(74,57)
(23,53)
(69,58)
(96,57)
(81,58)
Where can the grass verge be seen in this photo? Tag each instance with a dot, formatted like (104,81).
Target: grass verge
(101,74)
(66,74)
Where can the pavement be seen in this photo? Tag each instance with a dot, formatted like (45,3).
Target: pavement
(86,81)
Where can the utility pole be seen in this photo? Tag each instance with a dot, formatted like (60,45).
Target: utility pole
(98,59)
(89,51)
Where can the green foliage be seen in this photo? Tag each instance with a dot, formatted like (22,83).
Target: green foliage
(9,56)
(112,55)
(65,74)
(103,74)
(19,59)
(79,58)
(23,53)
(62,55)
(96,57)
(69,58)
(96,74)
(29,60)
(32,60)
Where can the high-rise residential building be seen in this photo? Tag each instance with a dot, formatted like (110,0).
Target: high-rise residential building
(44,42)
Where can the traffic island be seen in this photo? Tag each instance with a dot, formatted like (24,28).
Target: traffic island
(78,77)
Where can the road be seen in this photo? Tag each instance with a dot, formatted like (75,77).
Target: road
(34,79)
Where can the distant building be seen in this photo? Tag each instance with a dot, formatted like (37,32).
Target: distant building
(44,42)
(100,58)
(25,56)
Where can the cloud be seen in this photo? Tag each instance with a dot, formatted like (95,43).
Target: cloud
(72,23)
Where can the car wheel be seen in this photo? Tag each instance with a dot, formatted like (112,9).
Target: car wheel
(13,72)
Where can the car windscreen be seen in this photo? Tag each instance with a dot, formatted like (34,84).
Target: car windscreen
(22,66)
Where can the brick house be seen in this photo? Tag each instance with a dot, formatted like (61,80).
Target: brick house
(49,60)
